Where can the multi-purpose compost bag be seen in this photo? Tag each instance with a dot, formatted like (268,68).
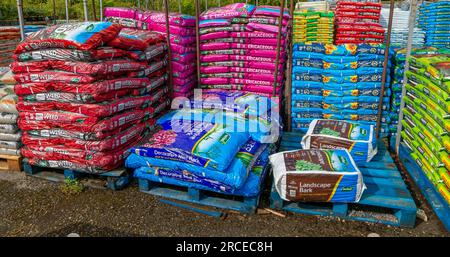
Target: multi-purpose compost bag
(317,176)
(191,142)
(357,138)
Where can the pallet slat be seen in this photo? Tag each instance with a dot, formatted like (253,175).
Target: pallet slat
(197,196)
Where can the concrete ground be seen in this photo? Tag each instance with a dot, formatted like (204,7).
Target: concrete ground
(34,207)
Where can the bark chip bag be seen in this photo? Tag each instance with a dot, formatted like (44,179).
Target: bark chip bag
(357,138)
(317,176)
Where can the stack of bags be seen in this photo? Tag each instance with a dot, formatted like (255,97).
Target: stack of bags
(338,82)
(312,25)
(238,48)
(400,27)
(219,155)
(358,22)
(434,19)
(399,61)
(9,132)
(426,123)
(9,38)
(88,92)
(182,41)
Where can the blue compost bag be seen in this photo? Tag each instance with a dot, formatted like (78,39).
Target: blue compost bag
(261,128)
(194,143)
(251,187)
(247,104)
(232,178)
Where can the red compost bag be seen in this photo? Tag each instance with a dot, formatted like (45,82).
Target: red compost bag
(30,67)
(100,68)
(154,51)
(54,76)
(80,122)
(134,39)
(103,160)
(75,98)
(81,35)
(118,140)
(157,68)
(100,87)
(71,54)
(104,109)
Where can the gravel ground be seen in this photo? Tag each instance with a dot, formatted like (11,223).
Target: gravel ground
(35,207)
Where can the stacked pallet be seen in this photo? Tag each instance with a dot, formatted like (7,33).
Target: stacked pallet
(9,132)
(338,82)
(434,19)
(182,41)
(425,125)
(81,106)
(239,48)
(358,22)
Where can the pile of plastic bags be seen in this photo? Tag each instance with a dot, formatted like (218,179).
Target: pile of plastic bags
(239,48)
(338,82)
(358,22)
(9,132)
(425,125)
(220,155)
(400,27)
(182,41)
(434,19)
(312,26)
(87,92)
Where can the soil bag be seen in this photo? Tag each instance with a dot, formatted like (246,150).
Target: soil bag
(358,139)
(190,143)
(317,176)
(82,36)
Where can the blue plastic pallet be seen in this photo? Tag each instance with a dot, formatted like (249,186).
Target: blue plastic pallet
(202,197)
(386,199)
(197,196)
(433,197)
(115,179)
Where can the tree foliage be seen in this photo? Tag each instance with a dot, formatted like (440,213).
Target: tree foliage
(8,9)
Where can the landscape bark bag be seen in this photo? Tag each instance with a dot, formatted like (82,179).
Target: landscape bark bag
(317,176)
(359,140)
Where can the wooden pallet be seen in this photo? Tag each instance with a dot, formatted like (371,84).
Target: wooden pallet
(386,200)
(10,163)
(433,197)
(114,180)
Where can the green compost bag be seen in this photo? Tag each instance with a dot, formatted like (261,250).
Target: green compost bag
(438,128)
(434,67)
(417,146)
(427,104)
(431,94)
(414,78)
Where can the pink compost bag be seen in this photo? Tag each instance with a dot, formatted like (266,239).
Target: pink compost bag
(121,12)
(236,10)
(216,35)
(214,69)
